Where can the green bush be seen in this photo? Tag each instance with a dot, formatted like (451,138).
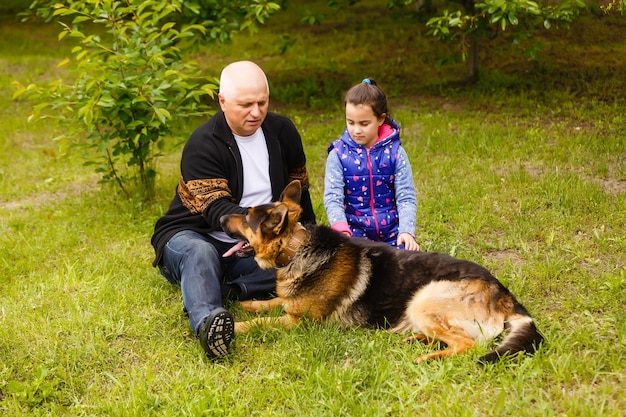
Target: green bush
(131,82)
(484,19)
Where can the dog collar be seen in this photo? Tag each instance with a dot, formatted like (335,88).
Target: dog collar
(288,252)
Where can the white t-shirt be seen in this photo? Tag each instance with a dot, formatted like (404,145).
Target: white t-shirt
(257,187)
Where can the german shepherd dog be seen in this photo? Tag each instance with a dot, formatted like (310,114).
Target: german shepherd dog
(324,275)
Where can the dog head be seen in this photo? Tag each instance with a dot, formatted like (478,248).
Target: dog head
(268,227)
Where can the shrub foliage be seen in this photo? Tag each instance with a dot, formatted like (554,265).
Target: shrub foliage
(130,76)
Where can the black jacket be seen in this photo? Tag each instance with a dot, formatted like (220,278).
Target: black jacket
(211,180)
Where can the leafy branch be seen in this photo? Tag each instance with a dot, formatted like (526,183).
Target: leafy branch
(130,79)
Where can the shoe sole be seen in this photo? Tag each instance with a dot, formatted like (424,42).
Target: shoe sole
(219,335)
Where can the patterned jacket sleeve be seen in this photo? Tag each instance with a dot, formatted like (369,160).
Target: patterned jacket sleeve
(334,189)
(406,198)
(207,170)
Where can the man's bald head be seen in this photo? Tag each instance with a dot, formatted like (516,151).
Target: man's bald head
(244,97)
(242,75)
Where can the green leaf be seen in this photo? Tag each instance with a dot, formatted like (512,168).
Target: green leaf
(79,19)
(162,114)
(18,92)
(167,26)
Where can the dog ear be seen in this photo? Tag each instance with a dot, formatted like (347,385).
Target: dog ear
(292,192)
(277,220)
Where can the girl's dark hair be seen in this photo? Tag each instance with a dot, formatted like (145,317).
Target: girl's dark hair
(368,92)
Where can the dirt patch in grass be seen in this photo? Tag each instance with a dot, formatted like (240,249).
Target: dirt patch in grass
(45,198)
(610,183)
(503,256)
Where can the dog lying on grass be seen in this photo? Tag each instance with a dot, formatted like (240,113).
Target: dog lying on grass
(325,275)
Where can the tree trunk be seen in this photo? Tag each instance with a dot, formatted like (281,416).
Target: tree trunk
(472,58)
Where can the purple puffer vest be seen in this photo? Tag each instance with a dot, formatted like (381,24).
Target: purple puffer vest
(369,192)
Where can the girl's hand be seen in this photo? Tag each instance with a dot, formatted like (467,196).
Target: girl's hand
(408,241)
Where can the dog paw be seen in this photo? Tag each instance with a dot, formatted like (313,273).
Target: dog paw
(421,359)
(417,338)
(252,306)
(245,305)
(242,327)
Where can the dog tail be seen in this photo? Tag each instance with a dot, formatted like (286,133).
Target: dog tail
(522,336)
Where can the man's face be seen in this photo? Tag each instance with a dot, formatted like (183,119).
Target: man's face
(245,109)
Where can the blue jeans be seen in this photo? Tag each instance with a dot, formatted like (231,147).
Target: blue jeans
(194,261)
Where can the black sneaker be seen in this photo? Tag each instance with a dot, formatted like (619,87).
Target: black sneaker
(216,333)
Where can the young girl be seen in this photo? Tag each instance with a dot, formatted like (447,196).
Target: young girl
(368,185)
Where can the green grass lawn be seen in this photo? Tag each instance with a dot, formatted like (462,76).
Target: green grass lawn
(523,172)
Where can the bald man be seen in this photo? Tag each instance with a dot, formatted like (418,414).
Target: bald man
(241,157)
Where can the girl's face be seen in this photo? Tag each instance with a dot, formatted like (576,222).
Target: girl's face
(363,124)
